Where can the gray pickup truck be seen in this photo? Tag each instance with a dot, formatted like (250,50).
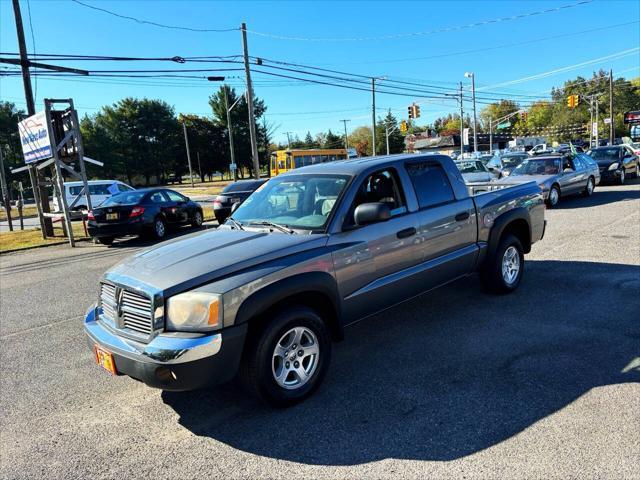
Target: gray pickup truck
(311,251)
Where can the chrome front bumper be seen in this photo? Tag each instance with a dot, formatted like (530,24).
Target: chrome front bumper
(171,360)
(165,348)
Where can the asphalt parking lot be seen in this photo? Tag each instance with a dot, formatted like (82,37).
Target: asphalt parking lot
(544,383)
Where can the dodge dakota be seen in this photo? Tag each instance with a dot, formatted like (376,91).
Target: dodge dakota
(263,296)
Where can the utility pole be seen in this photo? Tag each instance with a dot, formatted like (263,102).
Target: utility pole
(461,120)
(475,120)
(591,122)
(186,143)
(389,132)
(231,150)
(40,194)
(5,192)
(252,121)
(612,128)
(199,167)
(346,140)
(288,134)
(373,115)
(597,126)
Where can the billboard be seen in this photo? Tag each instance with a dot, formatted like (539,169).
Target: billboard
(34,137)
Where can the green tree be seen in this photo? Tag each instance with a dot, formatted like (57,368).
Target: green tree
(240,123)
(331,140)
(10,141)
(360,139)
(495,111)
(135,138)
(210,142)
(396,139)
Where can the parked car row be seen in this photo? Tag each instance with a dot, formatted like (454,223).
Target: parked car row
(559,172)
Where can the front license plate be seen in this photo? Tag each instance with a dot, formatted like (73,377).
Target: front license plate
(112,216)
(105,360)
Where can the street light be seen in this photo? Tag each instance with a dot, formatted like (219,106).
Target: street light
(473,93)
(233,167)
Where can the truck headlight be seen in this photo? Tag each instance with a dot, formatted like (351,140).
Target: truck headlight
(194,312)
(614,166)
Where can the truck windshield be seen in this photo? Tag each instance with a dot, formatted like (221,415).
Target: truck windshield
(302,202)
(539,166)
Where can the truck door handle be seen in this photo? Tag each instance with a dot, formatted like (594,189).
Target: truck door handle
(407,232)
(462,216)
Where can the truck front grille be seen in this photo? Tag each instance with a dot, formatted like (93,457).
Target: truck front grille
(125,309)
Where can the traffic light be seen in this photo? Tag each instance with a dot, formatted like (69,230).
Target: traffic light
(403,126)
(573,100)
(414,111)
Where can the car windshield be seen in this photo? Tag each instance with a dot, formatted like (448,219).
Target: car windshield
(124,198)
(295,201)
(512,161)
(242,186)
(473,166)
(539,166)
(605,154)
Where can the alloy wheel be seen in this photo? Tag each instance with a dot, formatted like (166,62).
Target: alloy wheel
(160,228)
(553,196)
(295,358)
(510,265)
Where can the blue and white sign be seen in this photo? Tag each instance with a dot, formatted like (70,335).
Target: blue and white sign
(34,136)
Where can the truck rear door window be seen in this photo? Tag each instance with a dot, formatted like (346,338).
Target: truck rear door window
(430,183)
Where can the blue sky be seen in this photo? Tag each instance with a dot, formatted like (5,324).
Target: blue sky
(367,38)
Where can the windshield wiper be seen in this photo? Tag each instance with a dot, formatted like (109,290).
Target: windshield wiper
(235,223)
(277,226)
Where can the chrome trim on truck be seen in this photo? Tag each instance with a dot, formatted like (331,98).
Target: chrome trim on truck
(165,348)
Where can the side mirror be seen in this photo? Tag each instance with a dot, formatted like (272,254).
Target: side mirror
(371,213)
(235,206)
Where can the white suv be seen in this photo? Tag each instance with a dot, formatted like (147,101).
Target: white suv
(99,190)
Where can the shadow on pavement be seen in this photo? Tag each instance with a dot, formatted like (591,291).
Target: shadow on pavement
(447,374)
(618,193)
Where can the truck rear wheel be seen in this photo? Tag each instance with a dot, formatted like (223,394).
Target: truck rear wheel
(287,359)
(502,273)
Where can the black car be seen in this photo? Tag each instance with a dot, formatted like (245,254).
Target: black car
(616,162)
(146,212)
(236,192)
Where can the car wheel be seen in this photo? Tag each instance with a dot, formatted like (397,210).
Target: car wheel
(554,196)
(622,177)
(591,185)
(159,228)
(105,240)
(197,219)
(287,359)
(220,218)
(502,273)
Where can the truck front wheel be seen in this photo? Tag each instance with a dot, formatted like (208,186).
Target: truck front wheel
(503,272)
(287,359)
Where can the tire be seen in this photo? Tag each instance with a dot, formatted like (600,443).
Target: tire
(197,219)
(105,240)
(554,196)
(591,185)
(159,229)
(621,179)
(284,380)
(220,218)
(494,277)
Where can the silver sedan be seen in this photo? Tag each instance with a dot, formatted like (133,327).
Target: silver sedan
(558,175)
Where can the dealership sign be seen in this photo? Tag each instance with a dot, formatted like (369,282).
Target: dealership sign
(34,137)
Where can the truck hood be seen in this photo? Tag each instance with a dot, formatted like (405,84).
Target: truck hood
(191,261)
(539,179)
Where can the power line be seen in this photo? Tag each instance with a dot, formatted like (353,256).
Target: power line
(621,54)
(425,33)
(155,24)
(485,49)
